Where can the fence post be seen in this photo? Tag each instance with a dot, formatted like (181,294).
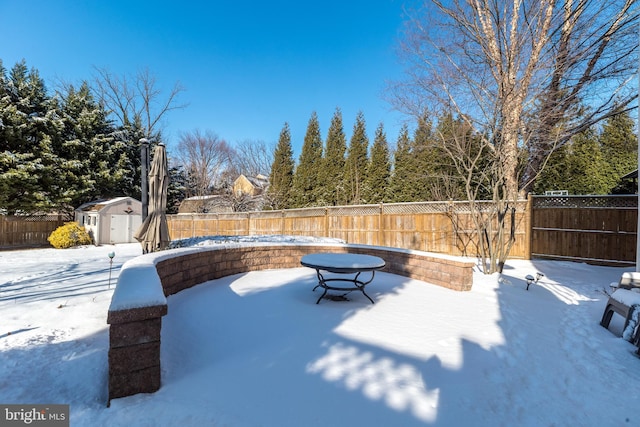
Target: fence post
(528,227)
(380,225)
(282,221)
(3,230)
(326,222)
(453,241)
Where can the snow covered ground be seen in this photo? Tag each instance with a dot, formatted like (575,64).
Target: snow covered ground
(255,350)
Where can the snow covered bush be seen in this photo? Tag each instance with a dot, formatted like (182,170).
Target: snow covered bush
(69,235)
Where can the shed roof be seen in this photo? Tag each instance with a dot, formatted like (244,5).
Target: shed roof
(97,205)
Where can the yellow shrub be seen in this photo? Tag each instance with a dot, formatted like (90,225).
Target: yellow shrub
(68,235)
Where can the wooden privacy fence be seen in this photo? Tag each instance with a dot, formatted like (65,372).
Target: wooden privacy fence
(594,229)
(32,231)
(442,227)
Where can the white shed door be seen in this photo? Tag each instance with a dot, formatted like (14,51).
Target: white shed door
(123,227)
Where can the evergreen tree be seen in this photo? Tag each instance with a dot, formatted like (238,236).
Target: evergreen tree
(91,166)
(619,144)
(554,175)
(306,190)
(125,152)
(177,189)
(587,169)
(378,169)
(425,178)
(281,177)
(31,174)
(58,152)
(332,173)
(447,181)
(399,190)
(578,167)
(592,163)
(356,162)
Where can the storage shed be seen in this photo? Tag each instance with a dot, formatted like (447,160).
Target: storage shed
(111,221)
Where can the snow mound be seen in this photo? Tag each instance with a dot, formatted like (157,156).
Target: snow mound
(220,240)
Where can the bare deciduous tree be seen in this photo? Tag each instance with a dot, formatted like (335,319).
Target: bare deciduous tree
(480,172)
(136,100)
(525,75)
(253,158)
(205,158)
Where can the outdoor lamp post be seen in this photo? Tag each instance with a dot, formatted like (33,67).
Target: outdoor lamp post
(144,174)
(110,255)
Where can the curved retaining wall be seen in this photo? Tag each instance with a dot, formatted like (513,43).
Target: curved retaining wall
(140,298)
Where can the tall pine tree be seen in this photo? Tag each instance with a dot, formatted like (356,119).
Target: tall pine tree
(424,179)
(31,172)
(578,167)
(554,175)
(89,143)
(306,189)
(378,169)
(177,189)
(619,144)
(399,189)
(356,162)
(332,173)
(592,162)
(281,177)
(448,180)
(587,167)
(58,152)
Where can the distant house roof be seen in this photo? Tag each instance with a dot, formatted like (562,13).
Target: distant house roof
(250,185)
(259,181)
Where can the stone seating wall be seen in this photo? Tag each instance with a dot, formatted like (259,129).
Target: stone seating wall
(139,301)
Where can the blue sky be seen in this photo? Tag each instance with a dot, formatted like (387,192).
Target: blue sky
(247,66)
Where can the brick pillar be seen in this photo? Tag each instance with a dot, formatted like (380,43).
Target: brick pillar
(134,350)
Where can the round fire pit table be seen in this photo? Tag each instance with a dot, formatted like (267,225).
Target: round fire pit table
(348,264)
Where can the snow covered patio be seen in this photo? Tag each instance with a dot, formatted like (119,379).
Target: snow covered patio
(254,349)
(140,299)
